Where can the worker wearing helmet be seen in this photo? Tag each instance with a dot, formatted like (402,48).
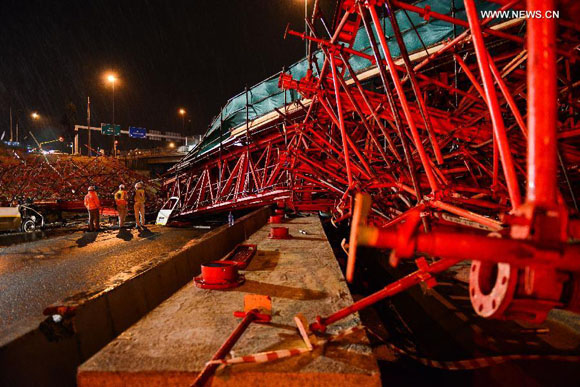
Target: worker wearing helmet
(121,202)
(93,205)
(139,205)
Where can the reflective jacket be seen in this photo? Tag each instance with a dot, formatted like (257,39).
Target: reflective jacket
(140,196)
(121,197)
(92,201)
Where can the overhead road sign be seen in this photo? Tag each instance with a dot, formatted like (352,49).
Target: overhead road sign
(110,129)
(136,132)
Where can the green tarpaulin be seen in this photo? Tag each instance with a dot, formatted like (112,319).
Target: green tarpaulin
(264,97)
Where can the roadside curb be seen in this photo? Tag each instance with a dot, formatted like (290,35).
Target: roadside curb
(50,354)
(15,238)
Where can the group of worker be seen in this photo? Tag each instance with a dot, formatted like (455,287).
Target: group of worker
(93,205)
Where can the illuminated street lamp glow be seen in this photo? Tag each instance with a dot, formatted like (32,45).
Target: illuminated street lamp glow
(35,116)
(172,145)
(112,79)
(182,113)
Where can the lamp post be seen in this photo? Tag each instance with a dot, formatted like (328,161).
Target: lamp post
(112,79)
(182,113)
(16,114)
(35,118)
(11,132)
(306,24)
(89,152)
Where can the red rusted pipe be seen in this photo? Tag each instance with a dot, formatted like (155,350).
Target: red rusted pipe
(493,224)
(322,73)
(491,97)
(390,290)
(428,13)
(470,75)
(370,107)
(404,215)
(463,246)
(341,122)
(414,84)
(363,119)
(495,177)
(459,38)
(542,105)
(508,96)
(403,99)
(373,60)
(226,347)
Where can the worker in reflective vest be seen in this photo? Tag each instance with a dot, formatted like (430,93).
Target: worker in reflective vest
(121,202)
(93,205)
(139,205)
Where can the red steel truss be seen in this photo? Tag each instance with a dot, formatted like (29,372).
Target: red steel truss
(60,182)
(442,144)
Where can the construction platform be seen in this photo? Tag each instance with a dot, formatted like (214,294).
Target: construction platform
(171,345)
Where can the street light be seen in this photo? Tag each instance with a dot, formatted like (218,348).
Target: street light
(182,113)
(35,117)
(112,79)
(306,23)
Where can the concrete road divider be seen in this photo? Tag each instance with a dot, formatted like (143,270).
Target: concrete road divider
(80,325)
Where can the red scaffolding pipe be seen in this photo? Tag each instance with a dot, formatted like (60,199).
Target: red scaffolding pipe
(542,107)
(491,96)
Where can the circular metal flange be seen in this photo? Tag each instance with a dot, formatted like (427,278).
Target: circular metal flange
(491,287)
(200,283)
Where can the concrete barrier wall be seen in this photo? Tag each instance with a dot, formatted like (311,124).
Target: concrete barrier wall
(51,353)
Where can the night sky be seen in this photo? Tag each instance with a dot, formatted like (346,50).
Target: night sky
(168,54)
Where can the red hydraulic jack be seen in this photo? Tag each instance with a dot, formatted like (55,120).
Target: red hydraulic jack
(224,274)
(219,275)
(258,309)
(276,219)
(279,233)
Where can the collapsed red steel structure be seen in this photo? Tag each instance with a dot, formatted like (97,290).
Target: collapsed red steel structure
(444,177)
(60,182)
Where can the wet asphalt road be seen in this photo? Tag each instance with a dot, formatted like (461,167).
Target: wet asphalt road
(36,274)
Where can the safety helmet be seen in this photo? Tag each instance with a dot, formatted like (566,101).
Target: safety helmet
(139,185)
(122,186)
(91,188)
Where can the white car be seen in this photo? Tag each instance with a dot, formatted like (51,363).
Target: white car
(20,218)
